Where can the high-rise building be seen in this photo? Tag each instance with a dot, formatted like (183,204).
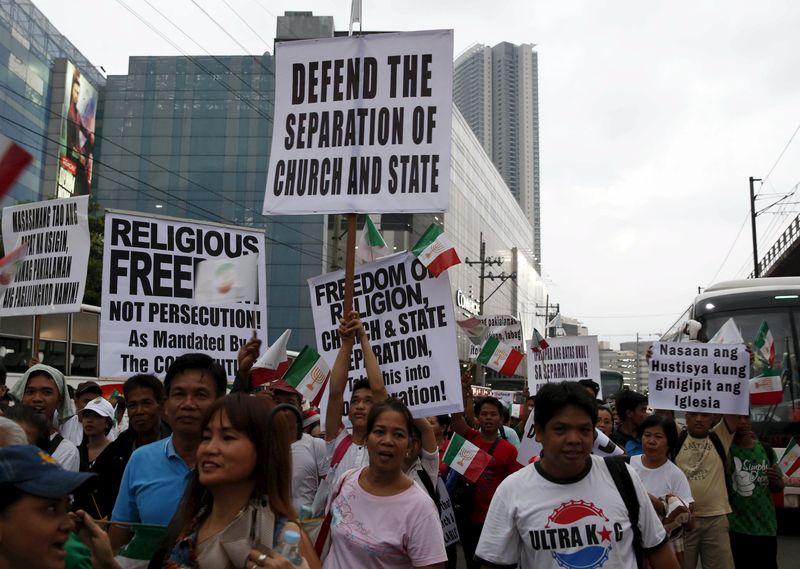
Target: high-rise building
(497,91)
(38,66)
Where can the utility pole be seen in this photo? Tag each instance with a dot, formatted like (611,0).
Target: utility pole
(483,261)
(753,225)
(546,314)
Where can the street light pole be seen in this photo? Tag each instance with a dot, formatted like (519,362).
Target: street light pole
(753,225)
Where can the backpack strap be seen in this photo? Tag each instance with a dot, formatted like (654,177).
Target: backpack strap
(723,456)
(503,432)
(430,488)
(54,442)
(624,483)
(341,450)
(679,443)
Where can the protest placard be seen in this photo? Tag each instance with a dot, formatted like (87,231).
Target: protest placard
(362,124)
(52,276)
(568,358)
(505,328)
(528,445)
(149,314)
(706,378)
(505,397)
(409,318)
(446,514)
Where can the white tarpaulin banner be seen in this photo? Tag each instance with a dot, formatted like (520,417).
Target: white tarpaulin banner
(362,124)
(149,314)
(408,315)
(568,358)
(52,277)
(505,328)
(706,378)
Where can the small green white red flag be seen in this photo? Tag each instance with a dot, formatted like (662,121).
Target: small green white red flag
(308,374)
(474,328)
(466,458)
(371,245)
(790,461)
(273,363)
(765,343)
(10,264)
(538,343)
(435,250)
(499,356)
(767,388)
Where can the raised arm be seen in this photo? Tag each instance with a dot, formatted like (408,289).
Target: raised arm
(247,356)
(428,438)
(339,373)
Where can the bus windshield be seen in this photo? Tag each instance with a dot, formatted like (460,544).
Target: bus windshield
(777,304)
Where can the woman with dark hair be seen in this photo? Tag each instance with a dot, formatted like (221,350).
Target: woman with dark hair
(380,518)
(662,479)
(239,497)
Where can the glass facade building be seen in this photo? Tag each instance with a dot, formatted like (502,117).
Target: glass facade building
(189,137)
(30,47)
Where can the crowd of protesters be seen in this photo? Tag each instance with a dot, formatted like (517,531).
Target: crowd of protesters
(229,479)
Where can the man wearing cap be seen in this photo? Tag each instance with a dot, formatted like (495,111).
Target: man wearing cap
(35,523)
(71,429)
(44,388)
(309,454)
(156,475)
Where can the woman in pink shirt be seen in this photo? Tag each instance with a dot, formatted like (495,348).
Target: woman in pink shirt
(380,518)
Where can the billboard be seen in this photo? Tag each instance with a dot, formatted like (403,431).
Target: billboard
(76,141)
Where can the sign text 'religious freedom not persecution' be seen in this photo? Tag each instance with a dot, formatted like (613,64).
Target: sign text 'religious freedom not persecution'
(362,124)
(52,277)
(408,315)
(706,378)
(148,313)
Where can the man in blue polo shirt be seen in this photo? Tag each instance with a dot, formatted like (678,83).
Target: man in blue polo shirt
(156,475)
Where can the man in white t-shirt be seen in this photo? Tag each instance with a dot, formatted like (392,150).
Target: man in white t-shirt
(566,510)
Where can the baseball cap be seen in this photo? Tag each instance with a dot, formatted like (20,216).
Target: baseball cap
(99,406)
(92,386)
(33,471)
(281,385)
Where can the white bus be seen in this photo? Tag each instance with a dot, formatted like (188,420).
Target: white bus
(749,303)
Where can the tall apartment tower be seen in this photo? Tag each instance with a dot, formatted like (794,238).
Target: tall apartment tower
(497,91)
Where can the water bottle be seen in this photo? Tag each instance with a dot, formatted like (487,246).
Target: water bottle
(305,512)
(289,547)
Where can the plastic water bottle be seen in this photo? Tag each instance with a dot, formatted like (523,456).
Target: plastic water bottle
(305,512)
(289,547)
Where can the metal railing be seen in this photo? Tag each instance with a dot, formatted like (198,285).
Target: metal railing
(781,245)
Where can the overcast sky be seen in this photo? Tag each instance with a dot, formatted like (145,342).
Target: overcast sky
(652,116)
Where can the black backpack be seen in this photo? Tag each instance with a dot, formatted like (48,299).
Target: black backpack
(622,480)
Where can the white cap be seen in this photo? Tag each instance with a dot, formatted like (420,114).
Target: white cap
(99,406)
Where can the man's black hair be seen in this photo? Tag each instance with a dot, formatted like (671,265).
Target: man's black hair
(362,383)
(491,401)
(628,401)
(669,427)
(591,384)
(197,361)
(553,397)
(3,374)
(144,381)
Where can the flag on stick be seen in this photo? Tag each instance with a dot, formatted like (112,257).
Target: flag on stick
(308,374)
(371,245)
(767,388)
(466,458)
(499,356)
(790,461)
(475,329)
(273,363)
(10,264)
(13,160)
(728,334)
(435,250)
(539,343)
(765,343)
